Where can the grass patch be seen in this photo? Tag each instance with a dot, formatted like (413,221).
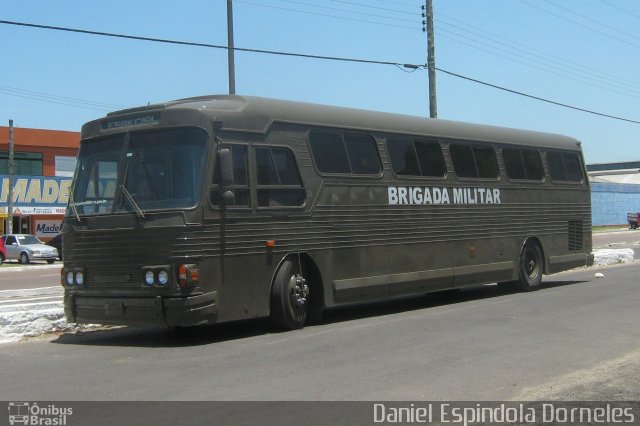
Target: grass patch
(607,228)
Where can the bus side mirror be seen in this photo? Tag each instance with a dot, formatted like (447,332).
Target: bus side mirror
(226,172)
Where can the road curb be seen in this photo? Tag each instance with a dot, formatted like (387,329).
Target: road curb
(604,257)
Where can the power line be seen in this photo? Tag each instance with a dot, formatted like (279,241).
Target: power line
(597,22)
(327,15)
(207,45)
(564,18)
(373,7)
(615,6)
(561,70)
(484,83)
(320,57)
(81,103)
(539,55)
(302,3)
(597,79)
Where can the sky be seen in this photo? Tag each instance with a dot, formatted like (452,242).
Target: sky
(582,53)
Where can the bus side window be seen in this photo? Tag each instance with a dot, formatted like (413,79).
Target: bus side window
(486,161)
(404,160)
(278,179)
(363,154)
(350,153)
(416,158)
(533,164)
(523,164)
(463,162)
(430,158)
(329,153)
(240,175)
(565,166)
(474,161)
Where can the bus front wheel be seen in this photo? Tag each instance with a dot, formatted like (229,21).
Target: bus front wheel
(531,267)
(290,297)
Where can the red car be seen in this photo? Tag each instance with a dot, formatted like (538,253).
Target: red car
(3,251)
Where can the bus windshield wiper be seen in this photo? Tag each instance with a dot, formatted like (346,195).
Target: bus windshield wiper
(72,204)
(135,205)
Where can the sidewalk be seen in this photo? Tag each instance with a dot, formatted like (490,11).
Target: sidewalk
(31,312)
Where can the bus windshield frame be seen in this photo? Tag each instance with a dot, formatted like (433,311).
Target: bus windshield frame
(138,172)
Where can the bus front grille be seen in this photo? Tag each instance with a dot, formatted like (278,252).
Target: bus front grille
(107,280)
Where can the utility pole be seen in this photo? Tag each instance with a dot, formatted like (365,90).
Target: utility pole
(230,49)
(427,12)
(9,227)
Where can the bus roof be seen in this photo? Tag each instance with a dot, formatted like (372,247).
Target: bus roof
(256,114)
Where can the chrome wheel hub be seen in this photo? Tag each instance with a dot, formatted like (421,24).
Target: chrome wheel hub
(299,291)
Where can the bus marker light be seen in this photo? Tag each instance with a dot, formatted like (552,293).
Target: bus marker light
(182,275)
(195,274)
(188,274)
(270,243)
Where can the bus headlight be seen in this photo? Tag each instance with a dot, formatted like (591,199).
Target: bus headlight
(156,275)
(149,277)
(73,277)
(163,277)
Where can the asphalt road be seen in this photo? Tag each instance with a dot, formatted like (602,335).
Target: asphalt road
(622,238)
(35,275)
(576,338)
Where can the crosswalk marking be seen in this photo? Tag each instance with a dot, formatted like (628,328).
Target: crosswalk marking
(29,299)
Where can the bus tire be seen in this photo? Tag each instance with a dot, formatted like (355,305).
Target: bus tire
(531,267)
(290,298)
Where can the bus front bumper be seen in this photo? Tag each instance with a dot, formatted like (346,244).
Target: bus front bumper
(159,310)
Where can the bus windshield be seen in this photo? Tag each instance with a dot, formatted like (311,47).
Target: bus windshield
(139,172)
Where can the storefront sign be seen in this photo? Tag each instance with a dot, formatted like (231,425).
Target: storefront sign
(36,194)
(48,228)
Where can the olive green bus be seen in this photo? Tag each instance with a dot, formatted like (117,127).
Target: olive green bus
(222,208)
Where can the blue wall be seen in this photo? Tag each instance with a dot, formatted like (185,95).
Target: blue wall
(610,202)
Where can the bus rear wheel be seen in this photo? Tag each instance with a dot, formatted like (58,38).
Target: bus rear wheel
(290,298)
(531,267)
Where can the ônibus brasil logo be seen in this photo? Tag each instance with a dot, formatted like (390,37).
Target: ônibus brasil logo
(27,413)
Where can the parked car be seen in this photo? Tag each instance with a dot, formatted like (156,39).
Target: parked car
(57,243)
(27,247)
(3,251)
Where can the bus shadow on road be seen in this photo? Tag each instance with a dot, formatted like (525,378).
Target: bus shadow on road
(210,334)
(157,337)
(429,300)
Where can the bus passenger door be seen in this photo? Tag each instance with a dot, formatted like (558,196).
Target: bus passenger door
(225,221)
